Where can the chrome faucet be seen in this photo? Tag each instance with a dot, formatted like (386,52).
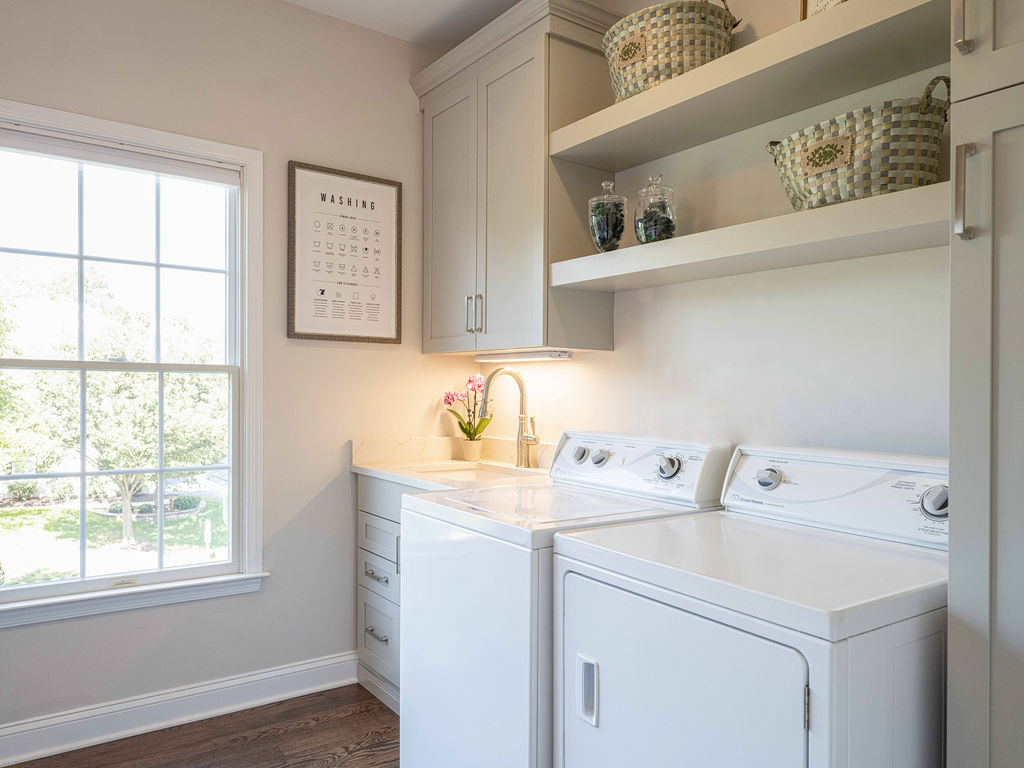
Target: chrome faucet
(524,438)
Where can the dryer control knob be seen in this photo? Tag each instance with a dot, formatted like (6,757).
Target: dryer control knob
(769,478)
(668,466)
(600,457)
(581,454)
(935,502)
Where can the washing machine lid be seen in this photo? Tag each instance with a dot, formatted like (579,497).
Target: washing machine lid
(531,514)
(824,583)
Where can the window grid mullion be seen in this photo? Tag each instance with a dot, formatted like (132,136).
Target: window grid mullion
(82,378)
(160,471)
(82,532)
(110,260)
(156,253)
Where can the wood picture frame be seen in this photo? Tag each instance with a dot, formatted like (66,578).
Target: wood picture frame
(344,255)
(803,9)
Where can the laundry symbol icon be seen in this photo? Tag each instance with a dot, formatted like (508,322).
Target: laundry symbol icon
(366,251)
(376,232)
(366,231)
(316,243)
(354,229)
(316,264)
(330,246)
(373,297)
(330,265)
(355,294)
(355,248)
(354,268)
(376,251)
(376,271)
(330,224)
(321,291)
(316,223)
(366,271)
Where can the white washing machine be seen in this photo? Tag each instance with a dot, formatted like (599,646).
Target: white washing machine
(476,615)
(804,625)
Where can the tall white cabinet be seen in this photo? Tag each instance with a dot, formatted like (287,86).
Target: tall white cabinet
(496,209)
(986,567)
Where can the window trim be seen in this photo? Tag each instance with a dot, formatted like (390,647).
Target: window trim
(249,330)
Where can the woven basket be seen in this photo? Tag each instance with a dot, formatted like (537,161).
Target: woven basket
(660,42)
(814,7)
(871,151)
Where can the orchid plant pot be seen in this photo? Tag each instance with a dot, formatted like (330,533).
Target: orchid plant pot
(471,449)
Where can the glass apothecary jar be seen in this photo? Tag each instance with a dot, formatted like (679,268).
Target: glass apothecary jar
(655,217)
(607,218)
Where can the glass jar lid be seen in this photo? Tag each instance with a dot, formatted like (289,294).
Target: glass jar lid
(655,189)
(608,194)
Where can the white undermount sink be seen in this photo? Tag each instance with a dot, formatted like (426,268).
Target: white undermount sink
(472,471)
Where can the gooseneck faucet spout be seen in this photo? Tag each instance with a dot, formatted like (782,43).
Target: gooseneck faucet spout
(524,437)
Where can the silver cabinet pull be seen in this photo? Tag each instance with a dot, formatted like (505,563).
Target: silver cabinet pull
(478,313)
(470,313)
(379,579)
(960,228)
(372,632)
(959,23)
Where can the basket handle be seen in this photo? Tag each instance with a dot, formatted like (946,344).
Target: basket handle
(725,4)
(926,97)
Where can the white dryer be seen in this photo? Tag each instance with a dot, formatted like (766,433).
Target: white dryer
(804,625)
(477,594)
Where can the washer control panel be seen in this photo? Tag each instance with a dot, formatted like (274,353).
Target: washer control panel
(886,496)
(673,472)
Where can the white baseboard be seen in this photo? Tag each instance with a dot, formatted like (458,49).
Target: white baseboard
(383,689)
(83,727)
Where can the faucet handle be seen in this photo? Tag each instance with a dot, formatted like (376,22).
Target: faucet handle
(530,438)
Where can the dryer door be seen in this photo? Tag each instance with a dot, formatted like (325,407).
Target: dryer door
(647,684)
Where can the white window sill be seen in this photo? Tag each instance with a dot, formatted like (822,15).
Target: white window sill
(126,598)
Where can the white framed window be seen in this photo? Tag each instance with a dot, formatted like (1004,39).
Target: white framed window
(130,366)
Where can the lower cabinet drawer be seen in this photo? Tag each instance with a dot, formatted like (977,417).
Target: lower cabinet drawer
(379,536)
(378,575)
(378,634)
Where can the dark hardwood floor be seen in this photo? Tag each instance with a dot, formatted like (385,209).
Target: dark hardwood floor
(345,727)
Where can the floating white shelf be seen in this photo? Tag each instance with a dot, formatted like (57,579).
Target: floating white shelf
(900,221)
(846,49)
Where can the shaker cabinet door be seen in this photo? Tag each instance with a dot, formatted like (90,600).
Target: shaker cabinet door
(510,266)
(450,221)
(988,46)
(986,611)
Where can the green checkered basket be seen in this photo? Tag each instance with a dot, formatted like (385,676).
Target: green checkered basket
(883,148)
(660,42)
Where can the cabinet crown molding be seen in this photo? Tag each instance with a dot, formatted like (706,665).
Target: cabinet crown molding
(518,18)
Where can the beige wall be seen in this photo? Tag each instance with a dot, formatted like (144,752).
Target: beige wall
(296,85)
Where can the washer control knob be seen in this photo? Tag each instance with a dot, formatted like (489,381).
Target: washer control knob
(668,466)
(769,479)
(581,454)
(935,502)
(600,457)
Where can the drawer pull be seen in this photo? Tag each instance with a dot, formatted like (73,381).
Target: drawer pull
(372,632)
(379,579)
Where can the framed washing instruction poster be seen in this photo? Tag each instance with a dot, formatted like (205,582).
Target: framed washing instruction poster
(344,256)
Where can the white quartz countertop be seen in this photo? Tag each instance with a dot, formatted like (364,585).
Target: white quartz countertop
(450,474)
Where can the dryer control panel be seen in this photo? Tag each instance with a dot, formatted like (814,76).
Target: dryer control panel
(885,496)
(673,472)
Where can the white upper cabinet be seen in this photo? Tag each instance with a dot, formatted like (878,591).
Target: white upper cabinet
(497,210)
(988,46)
(450,193)
(510,214)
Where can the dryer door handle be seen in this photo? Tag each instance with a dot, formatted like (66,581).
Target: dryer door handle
(587,691)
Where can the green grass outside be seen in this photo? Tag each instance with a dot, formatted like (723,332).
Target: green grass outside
(62,522)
